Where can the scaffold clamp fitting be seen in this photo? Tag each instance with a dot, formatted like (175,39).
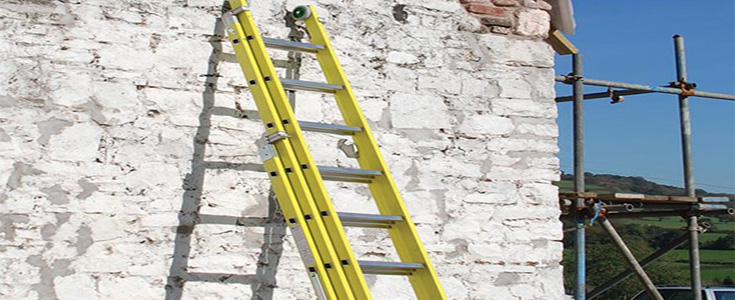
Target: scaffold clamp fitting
(687,88)
(571,78)
(614,96)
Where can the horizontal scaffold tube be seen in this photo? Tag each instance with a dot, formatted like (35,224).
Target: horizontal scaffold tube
(640,87)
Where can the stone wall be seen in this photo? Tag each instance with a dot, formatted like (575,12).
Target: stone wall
(125,123)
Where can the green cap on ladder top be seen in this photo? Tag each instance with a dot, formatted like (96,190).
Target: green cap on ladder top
(301,12)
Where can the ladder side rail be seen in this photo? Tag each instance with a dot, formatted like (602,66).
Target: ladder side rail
(288,186)
(349,280)
(405,237)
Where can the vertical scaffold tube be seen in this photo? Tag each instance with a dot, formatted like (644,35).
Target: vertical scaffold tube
(686,145)
(579,250)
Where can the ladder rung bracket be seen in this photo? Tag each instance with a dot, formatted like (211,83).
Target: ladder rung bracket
(300,85)
(388,268)
(368,220)
(329,128)
(348,174)
(291,45)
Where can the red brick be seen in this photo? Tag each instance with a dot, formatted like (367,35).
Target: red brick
(486,10)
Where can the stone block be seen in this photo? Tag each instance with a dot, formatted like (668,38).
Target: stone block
(537,193)
(444,82)
(481,124)
(525,108)
(545,130)
(127,57)
(531,53)
(475,1)
(401,58)
(514,88)
(479,88)
(500,29)
(505,2)
(70,88)
(418,111)
(80,142)
(497,21)
(539,4)
(75,287)
(533,23)
(111,287)
(494,192)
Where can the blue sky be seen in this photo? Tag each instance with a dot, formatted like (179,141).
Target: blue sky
(631,41)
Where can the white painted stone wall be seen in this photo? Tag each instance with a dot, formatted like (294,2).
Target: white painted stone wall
(117,115)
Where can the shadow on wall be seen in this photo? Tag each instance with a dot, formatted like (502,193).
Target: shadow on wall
(264,280)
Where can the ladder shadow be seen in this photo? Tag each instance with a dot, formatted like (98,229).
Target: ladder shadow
(263,281)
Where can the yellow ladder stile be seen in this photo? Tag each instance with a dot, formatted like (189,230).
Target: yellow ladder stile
(302,192)
(285,175)
(346,264)
(425,282)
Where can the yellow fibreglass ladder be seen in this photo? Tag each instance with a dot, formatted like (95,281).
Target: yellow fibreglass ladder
(299,183)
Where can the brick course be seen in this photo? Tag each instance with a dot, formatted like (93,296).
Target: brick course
(510,16)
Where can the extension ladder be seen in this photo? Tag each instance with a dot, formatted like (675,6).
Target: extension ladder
(299,183)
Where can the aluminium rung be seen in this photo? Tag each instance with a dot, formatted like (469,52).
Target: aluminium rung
(300,85)
(329,128)
(368,220)
(388,268)
(291,45)
(348,174)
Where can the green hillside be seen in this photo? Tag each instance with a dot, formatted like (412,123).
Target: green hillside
(607,183)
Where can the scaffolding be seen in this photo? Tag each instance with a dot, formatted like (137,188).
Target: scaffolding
(581,206)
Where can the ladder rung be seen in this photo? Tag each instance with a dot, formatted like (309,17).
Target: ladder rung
(368,220)
(291,45)
(294,85)
(347,174)
(329,128)
(388,268)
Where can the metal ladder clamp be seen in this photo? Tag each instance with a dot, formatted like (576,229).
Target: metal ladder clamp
(299,183)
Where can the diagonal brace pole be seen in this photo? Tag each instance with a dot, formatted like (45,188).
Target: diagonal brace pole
(645,262)
(637,269)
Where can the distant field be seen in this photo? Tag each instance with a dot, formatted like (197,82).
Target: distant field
(568,186)
(677,223)
(672,222)
(720,257)
(710,236)
(716,264)
(710,273)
